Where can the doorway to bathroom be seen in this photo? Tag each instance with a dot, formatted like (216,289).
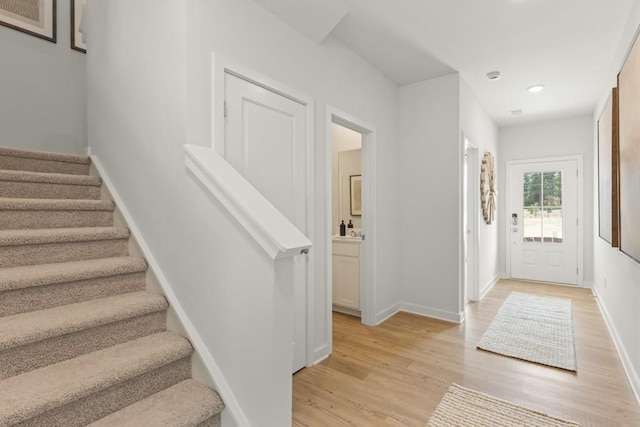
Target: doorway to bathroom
(351,184)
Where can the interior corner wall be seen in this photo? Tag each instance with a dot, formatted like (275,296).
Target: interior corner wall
(246,33)
(553,138)
(428,217)
(481,131)
(43,90)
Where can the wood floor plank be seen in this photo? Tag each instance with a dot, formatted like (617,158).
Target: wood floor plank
(395,374)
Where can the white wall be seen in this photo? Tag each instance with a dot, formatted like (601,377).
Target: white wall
(43,90)
(343,139)
(478,127)
(616,277)
(553,138)
(149,97)
(244,32)
(427,218)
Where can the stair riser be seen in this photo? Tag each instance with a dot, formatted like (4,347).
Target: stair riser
(32,356)
(15,256)
(40,190)
(104,402)
(21,220)
(41,297)
(49,166)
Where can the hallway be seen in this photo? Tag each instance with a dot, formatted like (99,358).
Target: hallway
(396,373)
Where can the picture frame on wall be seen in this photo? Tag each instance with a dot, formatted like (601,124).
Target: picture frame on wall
(77,9)
(356,194)
(629,153)
(608,163)
(34,17)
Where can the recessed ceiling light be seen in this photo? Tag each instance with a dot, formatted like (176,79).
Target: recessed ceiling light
(494,75)
(516,112)
(535,88)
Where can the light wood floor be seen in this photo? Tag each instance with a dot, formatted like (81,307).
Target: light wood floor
(396,373)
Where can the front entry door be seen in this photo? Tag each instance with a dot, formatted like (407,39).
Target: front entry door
(266,141)
(543,221)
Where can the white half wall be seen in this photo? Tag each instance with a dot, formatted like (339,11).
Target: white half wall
(427,218)
(478,127)
(553,138)
(43,90)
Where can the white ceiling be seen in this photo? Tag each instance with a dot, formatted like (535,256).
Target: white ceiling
(567,45)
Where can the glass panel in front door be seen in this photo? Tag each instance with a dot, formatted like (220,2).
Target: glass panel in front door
(542,207)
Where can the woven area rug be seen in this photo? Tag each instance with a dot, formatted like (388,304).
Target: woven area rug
(463,407)
(534,328)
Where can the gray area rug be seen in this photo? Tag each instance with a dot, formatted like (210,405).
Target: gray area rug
(534,328)
(464,407)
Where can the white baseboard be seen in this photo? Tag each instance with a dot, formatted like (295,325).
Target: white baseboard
(386,314)
(221,384)
(489,285)
(434,313)
(632,374)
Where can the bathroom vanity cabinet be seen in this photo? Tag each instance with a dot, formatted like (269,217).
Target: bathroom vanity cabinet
(346,275)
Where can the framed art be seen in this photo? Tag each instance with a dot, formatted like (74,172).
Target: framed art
(487,188)
(77,9)
(356,195)
(608,216)
(35,17)
(629,155)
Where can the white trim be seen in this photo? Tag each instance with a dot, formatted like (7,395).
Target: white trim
(434,313)
(386,314)
(368,265)
(632,374)
(272,230)
(580,180)
(220,65)
(488,286)
(474,174)
(221,385)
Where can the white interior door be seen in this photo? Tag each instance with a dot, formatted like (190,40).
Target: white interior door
(543,221)
(266,141)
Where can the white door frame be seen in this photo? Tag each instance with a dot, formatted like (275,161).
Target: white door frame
(369,185)
(473,218)
(507,226)
(221,65)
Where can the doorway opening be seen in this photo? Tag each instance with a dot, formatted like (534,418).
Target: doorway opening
(470,221)
(346,218)
(353,254)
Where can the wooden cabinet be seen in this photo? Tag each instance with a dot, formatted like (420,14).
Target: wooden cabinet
(346,274)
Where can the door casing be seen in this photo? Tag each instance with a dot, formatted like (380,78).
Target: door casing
(580,196)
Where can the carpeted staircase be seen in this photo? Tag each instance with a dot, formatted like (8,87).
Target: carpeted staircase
(81,340)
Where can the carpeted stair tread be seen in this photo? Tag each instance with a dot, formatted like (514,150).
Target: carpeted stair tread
(26,328)
(61,235)
(49,178)
(188,403)
(27,395)
(49,274)
(56,204)
(44,155)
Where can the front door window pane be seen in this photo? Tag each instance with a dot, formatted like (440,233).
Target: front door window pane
(542,210)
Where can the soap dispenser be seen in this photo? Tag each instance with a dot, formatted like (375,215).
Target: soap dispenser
(343,229)
(350,225)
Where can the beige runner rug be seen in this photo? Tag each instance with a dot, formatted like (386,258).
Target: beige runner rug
(535,328)
(468,408)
